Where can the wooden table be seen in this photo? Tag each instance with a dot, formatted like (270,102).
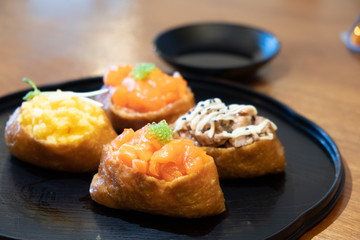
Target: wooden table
(314,74)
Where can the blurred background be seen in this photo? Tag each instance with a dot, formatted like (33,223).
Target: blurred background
(81,38)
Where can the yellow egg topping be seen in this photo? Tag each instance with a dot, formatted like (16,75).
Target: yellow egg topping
(59,118)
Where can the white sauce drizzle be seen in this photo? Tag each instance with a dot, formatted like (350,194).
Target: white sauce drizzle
(212,110)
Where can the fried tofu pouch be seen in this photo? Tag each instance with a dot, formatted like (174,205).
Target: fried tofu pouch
(143,94)
(242,144)
(172,182)
(125,118)
(257,159)
(59,132)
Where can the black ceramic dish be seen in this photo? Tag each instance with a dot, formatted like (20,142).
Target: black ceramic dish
(42,204)
(219,50)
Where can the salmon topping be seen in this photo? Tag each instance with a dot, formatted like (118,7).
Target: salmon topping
(146,154)
(143,88)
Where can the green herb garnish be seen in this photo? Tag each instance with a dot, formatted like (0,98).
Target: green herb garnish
(162,131)
(30,95)
(142,70)
(84,95)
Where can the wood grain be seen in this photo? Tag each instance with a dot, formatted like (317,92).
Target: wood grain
(315,74)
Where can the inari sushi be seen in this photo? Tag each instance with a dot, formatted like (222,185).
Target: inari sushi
(243,144)
(148,171)
(143,94)
(62,131)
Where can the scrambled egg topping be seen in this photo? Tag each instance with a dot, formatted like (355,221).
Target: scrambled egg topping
(59,119)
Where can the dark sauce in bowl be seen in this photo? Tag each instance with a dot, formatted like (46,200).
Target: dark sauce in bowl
(216,49)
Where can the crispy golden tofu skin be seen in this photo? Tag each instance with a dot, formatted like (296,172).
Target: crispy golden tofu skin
(59,132)
(193,196)
(181,180)
(125,118)
(257,159)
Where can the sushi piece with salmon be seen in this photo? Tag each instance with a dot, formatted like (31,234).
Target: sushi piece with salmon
(142,93)
(148,171)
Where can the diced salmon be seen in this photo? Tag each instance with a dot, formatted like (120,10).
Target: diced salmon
(147,155)
(119,97)
(150,94)
(126,136)
(115,74)
(170,171)
(127,153)
(139,165)
(144,151)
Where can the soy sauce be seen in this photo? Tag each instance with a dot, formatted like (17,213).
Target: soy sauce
(213,59)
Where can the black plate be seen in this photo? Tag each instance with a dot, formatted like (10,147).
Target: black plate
(41,204)
(222,50)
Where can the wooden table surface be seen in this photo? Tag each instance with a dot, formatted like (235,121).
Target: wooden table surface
(314,74)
